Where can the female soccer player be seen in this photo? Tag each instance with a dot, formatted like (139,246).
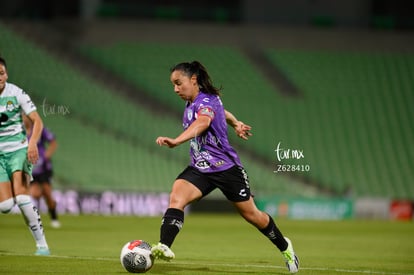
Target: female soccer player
(214,163)
(17,155)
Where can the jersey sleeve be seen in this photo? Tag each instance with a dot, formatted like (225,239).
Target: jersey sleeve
(25,102)
(206,111)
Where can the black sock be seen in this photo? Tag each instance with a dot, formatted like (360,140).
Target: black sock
(274,235)
(53,214)
(172,222)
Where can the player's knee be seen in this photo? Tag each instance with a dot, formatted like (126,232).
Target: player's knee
(178,200)
(35,191)
(6,205)
(176,203)
(36,195)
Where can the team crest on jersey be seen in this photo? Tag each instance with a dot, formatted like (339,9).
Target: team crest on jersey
(10,106)
(189,114)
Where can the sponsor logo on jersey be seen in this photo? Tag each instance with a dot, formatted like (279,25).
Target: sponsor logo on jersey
(219,163)
(202,164)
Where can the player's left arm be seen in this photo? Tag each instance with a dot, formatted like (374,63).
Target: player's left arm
(32,152)
(242,130)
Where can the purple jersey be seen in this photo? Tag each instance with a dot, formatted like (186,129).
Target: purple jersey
(43,164)
(210,151)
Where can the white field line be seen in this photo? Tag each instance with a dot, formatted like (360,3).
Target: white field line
(351,271)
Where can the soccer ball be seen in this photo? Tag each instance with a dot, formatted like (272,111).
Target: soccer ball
(136,256)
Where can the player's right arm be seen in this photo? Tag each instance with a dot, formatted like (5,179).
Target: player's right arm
(194,130)
(32,152)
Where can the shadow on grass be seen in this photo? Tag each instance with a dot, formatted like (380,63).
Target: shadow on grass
(166,268)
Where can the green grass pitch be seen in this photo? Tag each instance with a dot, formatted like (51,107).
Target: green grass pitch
(210,244)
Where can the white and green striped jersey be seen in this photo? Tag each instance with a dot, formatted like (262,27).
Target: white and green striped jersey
(13,101)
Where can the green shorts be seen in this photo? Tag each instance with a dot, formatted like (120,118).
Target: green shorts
(14,161)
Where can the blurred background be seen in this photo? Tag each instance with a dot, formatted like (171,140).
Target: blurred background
(326,85)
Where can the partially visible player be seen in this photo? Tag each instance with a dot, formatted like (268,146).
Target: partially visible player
(214,163)
(41,186)
(17,156)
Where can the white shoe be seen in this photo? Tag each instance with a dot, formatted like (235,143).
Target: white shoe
(42,251)
(163,252)
(292,261)
(55,224)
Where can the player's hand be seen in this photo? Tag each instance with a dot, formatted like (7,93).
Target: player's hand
(166,141)
(32,153)
(242,130)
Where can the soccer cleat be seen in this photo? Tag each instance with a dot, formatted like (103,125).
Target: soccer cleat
(42,251)
(292,261)
(55,224)
(163,252)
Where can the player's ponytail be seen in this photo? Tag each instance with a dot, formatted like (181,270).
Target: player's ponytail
(203,78)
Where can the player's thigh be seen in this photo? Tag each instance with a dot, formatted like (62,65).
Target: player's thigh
(5,190)
(47,193)
(5,184)
(183,193)
(35,189)
(46,189)
(17,161)
(20,182)
(233,183)
(20,169)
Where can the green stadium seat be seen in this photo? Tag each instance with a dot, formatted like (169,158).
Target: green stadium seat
(106,141)
(337,121)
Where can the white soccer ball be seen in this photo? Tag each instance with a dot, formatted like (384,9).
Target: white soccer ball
(136,256)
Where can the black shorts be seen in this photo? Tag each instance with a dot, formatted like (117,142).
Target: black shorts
(233,182)
(45,177)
